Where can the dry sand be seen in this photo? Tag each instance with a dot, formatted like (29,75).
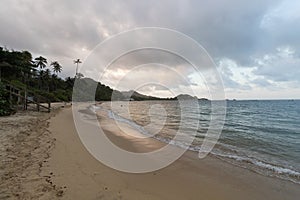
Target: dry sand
(51,163)
(187,178)
(24,150)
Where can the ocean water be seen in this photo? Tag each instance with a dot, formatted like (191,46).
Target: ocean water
(263,136)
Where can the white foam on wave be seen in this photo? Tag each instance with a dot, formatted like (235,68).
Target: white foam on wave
(94,108)
(275,169)
(137,127)
(267,166)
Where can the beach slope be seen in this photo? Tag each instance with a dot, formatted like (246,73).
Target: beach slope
(83,177)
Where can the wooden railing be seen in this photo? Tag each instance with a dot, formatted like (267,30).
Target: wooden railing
(26,98)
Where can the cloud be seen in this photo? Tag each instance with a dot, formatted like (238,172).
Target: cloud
(280,66)
(261,82)
(249,37)
(233,76)
(279,25)
(226,28)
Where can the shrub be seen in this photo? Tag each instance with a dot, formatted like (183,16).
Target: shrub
(5,106)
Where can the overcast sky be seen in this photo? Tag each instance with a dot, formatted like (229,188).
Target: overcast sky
(255,44)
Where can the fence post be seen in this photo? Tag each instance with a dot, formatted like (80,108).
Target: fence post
(49,105)
(25,100)
(38,104)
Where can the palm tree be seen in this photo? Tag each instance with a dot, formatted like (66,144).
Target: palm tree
(47,74)
(41,75)
(57,68)
(54,80)
(46,77)
(77,62)
(41,62)
(27,65)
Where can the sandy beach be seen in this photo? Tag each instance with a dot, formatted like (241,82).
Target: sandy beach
(187,178)
(24,150)
(59,167)
(150,100)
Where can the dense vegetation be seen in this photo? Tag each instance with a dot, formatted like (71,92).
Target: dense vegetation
(5,108)
(41,78)
(37,75)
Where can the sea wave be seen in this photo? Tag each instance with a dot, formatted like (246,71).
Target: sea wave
(278,171)
(94,108)
(119,118)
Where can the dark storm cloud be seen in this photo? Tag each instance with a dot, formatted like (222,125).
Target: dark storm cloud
(226,28)
(243,31)
(56,27)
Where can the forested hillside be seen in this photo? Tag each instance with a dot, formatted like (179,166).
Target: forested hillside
(38,75)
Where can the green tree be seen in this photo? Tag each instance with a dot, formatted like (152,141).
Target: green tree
(57,68)
(27,66)
(40,62)
(47,76)
(5,107)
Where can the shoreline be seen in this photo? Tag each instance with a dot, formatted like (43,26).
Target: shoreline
(50,162)
(245,162)
(252,164)
(187,178)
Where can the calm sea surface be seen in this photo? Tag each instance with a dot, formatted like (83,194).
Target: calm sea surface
(263,136)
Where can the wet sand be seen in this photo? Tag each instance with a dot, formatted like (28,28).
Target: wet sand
(81,176)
